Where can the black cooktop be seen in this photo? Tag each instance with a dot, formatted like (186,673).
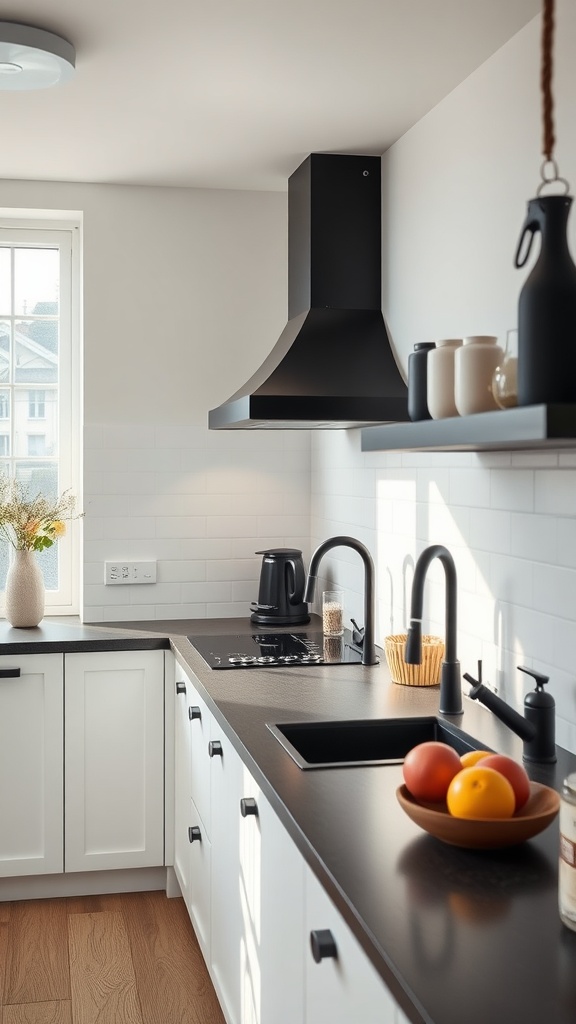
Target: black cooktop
(276,650)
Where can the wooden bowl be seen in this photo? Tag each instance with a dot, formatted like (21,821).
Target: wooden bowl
(540,809)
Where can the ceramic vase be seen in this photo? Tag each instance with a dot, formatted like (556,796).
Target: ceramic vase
(25,591)
(440,387)
(474,366)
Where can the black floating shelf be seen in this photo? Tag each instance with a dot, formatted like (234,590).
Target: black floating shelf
(527,428)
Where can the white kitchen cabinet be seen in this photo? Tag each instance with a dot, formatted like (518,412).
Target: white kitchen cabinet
(227,948)
(272,902)
(264,901)
(241,876)
(31,764)
(114,760)
(191,839)
(342,986)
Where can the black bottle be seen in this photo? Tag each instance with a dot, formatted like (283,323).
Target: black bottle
(547,307)
(540,710)
(418,381)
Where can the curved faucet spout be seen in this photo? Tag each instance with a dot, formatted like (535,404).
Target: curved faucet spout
(450,685)
(368,648)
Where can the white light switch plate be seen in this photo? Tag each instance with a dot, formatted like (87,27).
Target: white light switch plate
(123,572)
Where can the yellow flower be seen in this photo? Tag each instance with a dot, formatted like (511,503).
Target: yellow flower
(57,528)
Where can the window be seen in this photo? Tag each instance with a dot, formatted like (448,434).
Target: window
(36,405)
(36,444)
(40,381)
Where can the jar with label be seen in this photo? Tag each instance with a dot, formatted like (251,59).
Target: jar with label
(567,865)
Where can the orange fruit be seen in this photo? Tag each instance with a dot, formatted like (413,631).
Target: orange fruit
(480,792)
(472,756)
(428,769)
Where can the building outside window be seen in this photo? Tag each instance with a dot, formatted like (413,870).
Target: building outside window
(36,405)
(40,380)
(37,444)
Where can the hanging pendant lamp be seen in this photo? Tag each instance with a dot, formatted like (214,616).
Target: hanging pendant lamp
(32,58)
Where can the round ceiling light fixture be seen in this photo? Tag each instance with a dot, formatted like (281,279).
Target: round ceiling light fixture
(32,58)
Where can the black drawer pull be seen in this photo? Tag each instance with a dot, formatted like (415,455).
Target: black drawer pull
(323,945)
(248,806)
(194,834)
(194,712)
(9,673)
(180,687)
(215,748)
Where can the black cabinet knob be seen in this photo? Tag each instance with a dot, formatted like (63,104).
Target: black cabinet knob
(215,748)
(194,712)
(248,806)
(180,687)
(194,834)
(322,945)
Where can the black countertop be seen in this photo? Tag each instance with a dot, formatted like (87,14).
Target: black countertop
(60,634)
(457,935)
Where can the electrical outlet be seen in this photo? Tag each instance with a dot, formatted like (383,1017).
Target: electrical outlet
(123,572)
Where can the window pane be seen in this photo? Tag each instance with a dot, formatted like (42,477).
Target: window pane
(40,478)
(36,280)
(35,412)
(4,405)
(5,351)
(36,352)
(5,282)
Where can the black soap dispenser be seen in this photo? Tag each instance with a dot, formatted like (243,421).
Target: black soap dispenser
(540,710)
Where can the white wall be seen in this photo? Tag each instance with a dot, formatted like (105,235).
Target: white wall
(184,295)
(455,191)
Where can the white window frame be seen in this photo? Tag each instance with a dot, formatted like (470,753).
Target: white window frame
(46,229)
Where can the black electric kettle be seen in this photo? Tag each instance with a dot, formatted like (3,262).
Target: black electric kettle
(280,596)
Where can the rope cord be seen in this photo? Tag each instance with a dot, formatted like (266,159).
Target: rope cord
(549,139)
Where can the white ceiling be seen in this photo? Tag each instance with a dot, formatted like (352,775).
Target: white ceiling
(236,93)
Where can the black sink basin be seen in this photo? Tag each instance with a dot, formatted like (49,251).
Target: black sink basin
(365,742)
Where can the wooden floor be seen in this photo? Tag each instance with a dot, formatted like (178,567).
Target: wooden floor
(119,959)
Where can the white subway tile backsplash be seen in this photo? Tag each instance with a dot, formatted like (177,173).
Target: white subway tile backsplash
(555,590)
(197,501)
(231,526)
(555,493)
(468,487)
(566,536)
(490,530)
(512,491)
(511,579)
(202,503)
(535,537)
(124,528)
(233,569)
(181,571)
(195,593)
(180,526)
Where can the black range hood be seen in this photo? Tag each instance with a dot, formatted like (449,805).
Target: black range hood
(332,365)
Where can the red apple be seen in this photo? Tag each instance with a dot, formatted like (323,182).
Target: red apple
(514,772)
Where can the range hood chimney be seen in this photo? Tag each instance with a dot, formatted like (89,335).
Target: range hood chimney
(332,365)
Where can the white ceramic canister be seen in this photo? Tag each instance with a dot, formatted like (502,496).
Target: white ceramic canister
(474,366)
(440,370)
